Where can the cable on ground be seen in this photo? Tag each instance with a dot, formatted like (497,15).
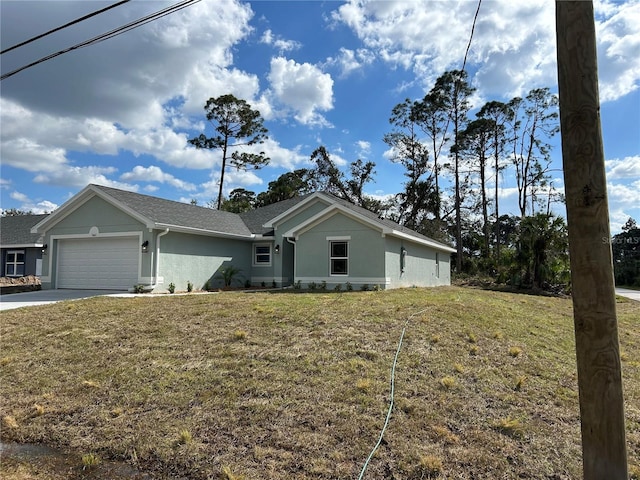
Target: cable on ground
(391,394)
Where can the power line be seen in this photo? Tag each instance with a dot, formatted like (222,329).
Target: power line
(77,20)
(105,36)
(473,27)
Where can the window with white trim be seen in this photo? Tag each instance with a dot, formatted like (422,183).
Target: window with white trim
(14,264)
(262,254)
(339,257)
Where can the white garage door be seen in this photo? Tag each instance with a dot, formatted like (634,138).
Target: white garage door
(98,263)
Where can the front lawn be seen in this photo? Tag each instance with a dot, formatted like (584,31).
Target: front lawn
(296,385)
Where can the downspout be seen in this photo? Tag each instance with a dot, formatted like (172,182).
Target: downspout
(157,266)
(295,271)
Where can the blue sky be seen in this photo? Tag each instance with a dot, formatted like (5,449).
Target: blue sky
(120,113)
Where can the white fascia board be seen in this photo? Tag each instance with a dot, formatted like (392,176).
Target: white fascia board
(298,206)
(22,245)
(80,199)
(329,212)
(202,231)
(423,241)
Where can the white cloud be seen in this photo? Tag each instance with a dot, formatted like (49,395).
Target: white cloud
(349,61)
(628,167)
(79,177)
(303,88)
(155,174)
(618,46)
(364,148)
(282,45)
(510,60)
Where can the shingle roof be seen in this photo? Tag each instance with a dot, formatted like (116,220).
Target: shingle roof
(255,219)
(16,230)
(383,221)
(168,212)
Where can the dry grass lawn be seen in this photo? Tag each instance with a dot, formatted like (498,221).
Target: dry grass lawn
(296,385)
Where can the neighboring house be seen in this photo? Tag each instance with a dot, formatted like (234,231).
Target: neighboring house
(104,238)
(21,250)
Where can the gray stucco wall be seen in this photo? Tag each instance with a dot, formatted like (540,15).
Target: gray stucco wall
(197,259)
(366,254)
(419,265)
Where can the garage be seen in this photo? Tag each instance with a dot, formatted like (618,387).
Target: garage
(106,263)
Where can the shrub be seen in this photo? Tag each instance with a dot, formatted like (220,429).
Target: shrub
(311,285)
(323,285)
(349,287)
(297,285)
(139,288)
(171,288)
(338,287)
(365,287)
(228,273)
(189,286)
(247,284)
(207,286)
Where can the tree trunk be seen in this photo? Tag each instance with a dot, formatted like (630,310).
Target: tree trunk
(594,303)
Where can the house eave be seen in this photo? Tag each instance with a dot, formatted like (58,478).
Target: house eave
(203,231)
(422,241)
(22,245)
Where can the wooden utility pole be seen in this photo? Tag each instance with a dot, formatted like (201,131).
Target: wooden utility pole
(593,289)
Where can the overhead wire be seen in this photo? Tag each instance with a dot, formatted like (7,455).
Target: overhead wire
(105,36)
(66,25)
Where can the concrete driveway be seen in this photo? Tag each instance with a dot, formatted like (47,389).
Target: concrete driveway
(44,297)
(632,294)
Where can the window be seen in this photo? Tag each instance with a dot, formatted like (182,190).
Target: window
(339,257)
(14,266)
(262,255)
(437,265)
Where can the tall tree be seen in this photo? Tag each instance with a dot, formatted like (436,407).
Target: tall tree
(534,122)
(452,92)
(408,150)
(327,176)
(626,254)
(474,143)
(286,186)
(235,125)
(433,119)
(499,113)
(239,201)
